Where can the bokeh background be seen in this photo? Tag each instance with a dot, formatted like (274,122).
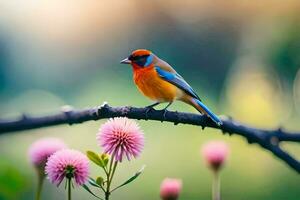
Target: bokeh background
(242,57)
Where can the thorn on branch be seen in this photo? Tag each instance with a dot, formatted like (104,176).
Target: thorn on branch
(226,132)
(24,117)
(102,109)
(67,110)
(250,140)
(178,119)
(104,104)
(280,130)
(163,112)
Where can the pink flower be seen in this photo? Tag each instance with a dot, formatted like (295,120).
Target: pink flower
(170,189)
(42,149)
(215,154)
(121,137)
(67,163)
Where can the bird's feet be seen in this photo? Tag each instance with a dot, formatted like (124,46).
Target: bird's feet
(165,110)
(149,108)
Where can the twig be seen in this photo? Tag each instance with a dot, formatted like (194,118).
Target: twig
(268,139)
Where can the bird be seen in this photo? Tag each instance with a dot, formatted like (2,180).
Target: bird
(157,80)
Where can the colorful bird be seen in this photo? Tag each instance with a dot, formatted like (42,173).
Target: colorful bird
(157,80)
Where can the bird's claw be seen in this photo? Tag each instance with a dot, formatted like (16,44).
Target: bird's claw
(148,109)
(164,115)
(165,110)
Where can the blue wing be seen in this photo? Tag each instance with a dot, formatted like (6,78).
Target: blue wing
(177,80)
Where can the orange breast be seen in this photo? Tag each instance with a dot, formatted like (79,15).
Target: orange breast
(152,86)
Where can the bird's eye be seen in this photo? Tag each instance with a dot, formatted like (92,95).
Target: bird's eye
(141,60)
(130,57)
(136,58)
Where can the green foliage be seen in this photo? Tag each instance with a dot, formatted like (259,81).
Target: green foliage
(90,191)
(131,178)
(104,184)
(100,160)
(12,181)
(100,181)
(93,182)
(105,158)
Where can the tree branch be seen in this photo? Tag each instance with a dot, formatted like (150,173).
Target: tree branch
(267,139)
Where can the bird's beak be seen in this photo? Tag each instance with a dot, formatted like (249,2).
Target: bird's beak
(125,61)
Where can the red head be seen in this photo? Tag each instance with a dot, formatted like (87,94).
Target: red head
(139,58)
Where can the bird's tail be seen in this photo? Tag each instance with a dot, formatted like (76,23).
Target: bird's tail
(204,109)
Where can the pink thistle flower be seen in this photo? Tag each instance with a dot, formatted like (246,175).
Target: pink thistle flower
(170,189)
(67,163)
(121,137)
(215,154)
(42,149)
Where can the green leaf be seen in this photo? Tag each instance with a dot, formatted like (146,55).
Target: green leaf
(93,182)
(88,189)
(99,180)
(95,158)
(131,178)
(105,158)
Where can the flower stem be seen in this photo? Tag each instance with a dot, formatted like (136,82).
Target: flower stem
(69,188)
(111,172)
(216,186)
(107,192)
(39,187)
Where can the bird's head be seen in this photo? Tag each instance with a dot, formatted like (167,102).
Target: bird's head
(140,58)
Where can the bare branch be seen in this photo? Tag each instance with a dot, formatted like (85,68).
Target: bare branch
(267,139)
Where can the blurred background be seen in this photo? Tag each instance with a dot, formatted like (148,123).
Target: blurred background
(242,58)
